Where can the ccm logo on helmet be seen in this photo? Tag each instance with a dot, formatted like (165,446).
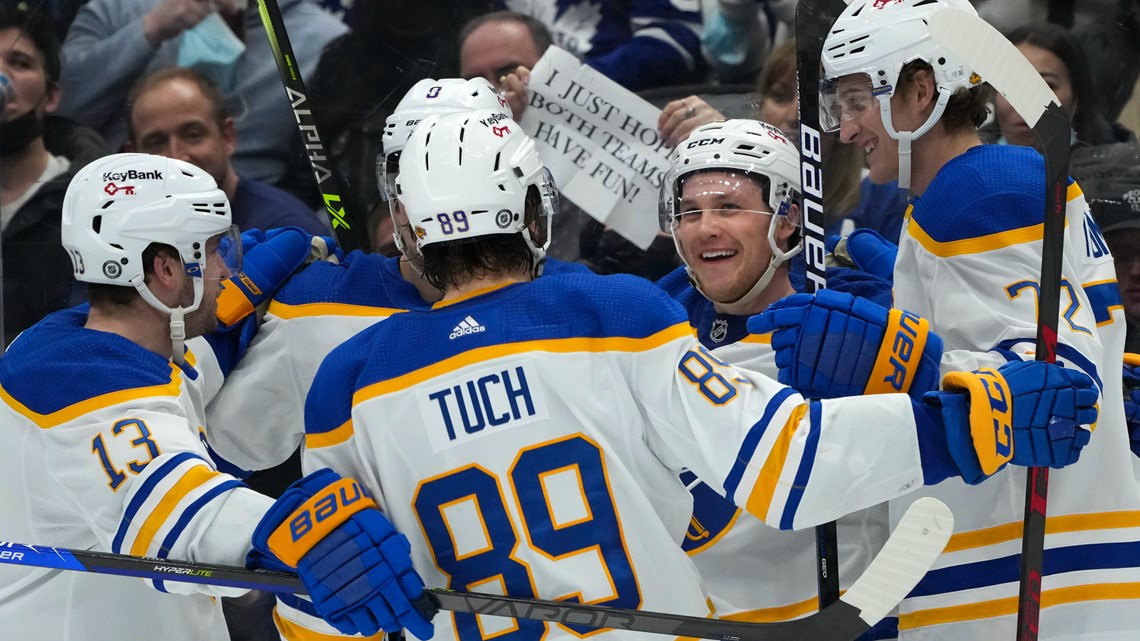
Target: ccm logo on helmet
(131,174)
(704,141)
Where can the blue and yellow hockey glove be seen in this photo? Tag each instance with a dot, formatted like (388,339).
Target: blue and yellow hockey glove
(866,250)
(1027,413)
(355,565)
(1132,400)
(268,260)
(832,344)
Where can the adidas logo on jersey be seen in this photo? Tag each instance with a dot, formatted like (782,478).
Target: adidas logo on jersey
(467,326)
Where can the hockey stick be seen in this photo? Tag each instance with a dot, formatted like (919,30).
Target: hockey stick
(913,546)
(996,59)
(813,20)
(349,235)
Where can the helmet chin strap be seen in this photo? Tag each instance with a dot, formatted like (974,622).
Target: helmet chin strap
(177,316)
(905,138)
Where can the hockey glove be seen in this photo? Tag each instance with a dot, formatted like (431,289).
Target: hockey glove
(832,344)
(866,250)
(1029,413)
(355,565)
(1132,399)
(268,260)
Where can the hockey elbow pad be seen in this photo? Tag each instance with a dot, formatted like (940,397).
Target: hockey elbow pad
(832,344)
(269,259)
(1028,413)
(356,567)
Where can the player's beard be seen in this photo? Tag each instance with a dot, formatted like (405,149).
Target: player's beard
(203,320)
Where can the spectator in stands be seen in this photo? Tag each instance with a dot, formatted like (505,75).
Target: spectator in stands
(640,44)
(1112,45)
(39,153)
(1051,50)
(850,200)
(112,42)
(739,34)
(178,113)
(503,46)
(1117,211)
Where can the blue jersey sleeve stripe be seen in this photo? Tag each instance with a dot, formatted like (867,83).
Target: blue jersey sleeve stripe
(1075,558)
(811,446)
(1103,297)
(141,495)
(1064,351)
(184,520)
(193,509)
(752,441)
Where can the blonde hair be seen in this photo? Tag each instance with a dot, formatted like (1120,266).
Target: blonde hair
(842,164)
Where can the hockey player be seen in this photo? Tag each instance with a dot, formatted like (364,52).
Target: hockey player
(261,406)
(527,433)
(969,260)
(101,410)
(729,201)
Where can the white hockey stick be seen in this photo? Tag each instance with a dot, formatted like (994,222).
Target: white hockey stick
(903,561)
(1000,63)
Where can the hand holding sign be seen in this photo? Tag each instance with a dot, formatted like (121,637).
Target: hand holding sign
(601,143)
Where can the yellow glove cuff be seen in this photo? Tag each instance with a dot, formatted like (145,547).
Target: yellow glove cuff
(991,414)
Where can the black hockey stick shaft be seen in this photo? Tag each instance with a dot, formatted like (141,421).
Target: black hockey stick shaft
(996,60)
(912,548)
(351,232)
(813,20)
(1052,131)
(839,622)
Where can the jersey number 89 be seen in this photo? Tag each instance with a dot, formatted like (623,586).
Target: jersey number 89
(473,487)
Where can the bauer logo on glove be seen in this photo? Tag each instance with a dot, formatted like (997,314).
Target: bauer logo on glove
(316,517)
(833,344)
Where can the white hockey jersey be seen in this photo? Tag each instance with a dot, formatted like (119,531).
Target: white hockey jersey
(527,440)
(104,451)
(258,415)
(969,260)
(259,412)
(751,571)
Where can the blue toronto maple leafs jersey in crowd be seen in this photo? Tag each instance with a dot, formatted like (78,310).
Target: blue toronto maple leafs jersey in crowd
(638,43)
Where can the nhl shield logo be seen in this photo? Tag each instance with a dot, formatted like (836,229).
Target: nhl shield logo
(111,269)
(719,330)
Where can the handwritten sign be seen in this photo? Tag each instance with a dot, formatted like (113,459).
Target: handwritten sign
(600,141)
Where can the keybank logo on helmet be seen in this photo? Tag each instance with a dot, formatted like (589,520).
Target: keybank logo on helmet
(493,119)
(131,174)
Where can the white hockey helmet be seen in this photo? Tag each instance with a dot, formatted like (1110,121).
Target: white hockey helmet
(748,146)
(877,38)
(465,175)
(119,205)
(430,97)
